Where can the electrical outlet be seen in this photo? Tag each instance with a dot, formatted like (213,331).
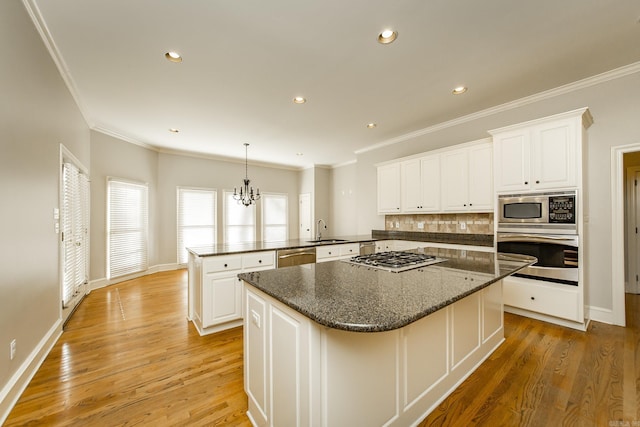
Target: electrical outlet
(463,226)
(13,348)
(397,224)
(420,225)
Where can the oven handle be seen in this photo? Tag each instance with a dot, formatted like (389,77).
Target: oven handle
(536,238)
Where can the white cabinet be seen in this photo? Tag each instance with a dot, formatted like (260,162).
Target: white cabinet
(218,305)
(385,246)
(541,154)
(467,180)
(420,184)
(336,252)
(389,188)
(561,301)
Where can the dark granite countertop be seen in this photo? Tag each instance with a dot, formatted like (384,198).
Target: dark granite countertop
(212,250)
(356,298)
(451,238)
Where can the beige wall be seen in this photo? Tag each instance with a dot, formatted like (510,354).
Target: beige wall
(37,114)
(112,157)
(343,187)
(615,106)
(177,170)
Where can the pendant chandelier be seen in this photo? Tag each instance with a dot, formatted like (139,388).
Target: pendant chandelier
(246,195)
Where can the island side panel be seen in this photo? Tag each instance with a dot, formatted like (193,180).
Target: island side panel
(390,378)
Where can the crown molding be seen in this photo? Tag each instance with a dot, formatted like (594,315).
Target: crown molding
(561,90)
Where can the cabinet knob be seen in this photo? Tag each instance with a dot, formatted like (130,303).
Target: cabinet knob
(260,261)
(470,204)
(329,253)
(464,204)
(537,182)
(533,298)
(526,182)
(225,265)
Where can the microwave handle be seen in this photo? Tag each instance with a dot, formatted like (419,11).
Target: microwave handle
(535,238)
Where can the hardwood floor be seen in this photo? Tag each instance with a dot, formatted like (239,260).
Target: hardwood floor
(129,357)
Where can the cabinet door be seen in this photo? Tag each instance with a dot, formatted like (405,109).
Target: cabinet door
(511,157)
(430,180)
(455,178)
(389,188)
(410,186)
(221,299)
(554,155)
(481,178)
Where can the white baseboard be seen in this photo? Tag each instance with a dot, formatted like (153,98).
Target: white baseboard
(602,315)
(101,283)
(16,385)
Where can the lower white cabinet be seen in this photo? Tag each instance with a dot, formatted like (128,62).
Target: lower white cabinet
(336,252)
(545,298)
(215,291)
(300,373)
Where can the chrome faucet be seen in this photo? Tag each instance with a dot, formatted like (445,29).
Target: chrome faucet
(318,232)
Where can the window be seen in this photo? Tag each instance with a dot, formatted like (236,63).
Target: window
(75,231)
(239,221)
(196,220)
(127,217)
(275,217)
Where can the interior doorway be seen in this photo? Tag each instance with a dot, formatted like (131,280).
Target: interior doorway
(632,214)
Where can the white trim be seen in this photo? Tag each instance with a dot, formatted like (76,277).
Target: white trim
(102,282)
(547,318)
(599,314)
(50,44)
(561,90)
(617,231)
(19,381)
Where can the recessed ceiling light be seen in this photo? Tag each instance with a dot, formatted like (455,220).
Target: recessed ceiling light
(174,130)
(387,36)
(371,125)
(459,90)
(173,56)
(299,100)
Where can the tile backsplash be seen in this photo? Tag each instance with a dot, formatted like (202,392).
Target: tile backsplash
(471,223)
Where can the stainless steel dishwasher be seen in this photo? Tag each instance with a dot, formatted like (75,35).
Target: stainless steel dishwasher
(367,248)
(289,257)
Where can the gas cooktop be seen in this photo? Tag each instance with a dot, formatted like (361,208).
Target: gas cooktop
(395,261)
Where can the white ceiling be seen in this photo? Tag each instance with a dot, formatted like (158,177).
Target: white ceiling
(244,61)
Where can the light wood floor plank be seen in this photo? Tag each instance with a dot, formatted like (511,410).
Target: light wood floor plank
(129,357)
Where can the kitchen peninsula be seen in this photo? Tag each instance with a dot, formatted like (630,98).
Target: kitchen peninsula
(338,344)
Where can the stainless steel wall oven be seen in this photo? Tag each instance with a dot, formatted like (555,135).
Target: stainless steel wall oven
(542,225)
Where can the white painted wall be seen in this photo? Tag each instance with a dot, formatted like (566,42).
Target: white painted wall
(343,184)
(615,106)
(37,114)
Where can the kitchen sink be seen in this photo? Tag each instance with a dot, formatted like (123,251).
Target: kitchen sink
(326,241)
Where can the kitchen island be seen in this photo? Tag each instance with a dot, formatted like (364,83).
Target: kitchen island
(338,344)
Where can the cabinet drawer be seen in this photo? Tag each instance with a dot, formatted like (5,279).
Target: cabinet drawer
(216,264)
(350,249)
(555,300)
(327,251)
(258,259)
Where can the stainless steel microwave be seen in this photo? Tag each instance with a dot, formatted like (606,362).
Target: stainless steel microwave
(538,212)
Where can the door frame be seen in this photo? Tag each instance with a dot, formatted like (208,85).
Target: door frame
(632,237)
(618,176)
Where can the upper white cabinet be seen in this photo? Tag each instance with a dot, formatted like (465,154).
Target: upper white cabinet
(448,180)
(540,154)
(389,188)
(467,179)
(420,184)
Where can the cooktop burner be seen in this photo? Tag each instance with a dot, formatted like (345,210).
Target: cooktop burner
(395,261)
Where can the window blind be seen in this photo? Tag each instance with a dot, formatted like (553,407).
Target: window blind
(127,227)
(274,217)
(74,222)
(196,220)
(239,221)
